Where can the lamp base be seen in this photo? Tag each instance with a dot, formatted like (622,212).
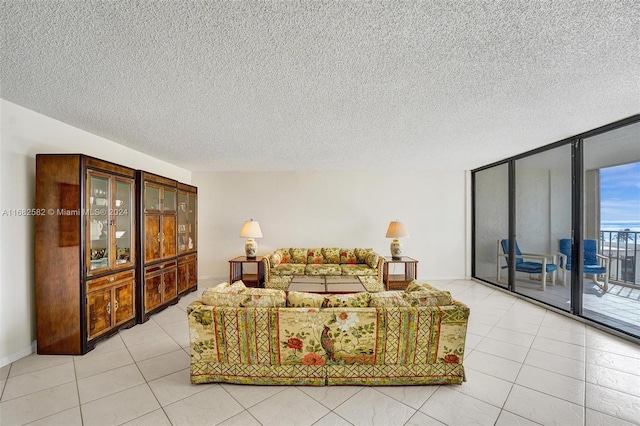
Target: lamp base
(251,248)
(396,249)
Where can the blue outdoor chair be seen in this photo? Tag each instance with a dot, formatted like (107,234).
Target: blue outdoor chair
(594,264)
(542,264)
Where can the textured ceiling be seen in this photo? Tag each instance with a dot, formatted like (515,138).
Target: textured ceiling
(325,85)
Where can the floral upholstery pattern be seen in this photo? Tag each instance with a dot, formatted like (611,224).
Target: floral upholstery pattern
(372,283)
(421,293)
(331,254)
(280,282)
(388,298)
(223,295)
(348,256)
(386,345)
(357,269)
(323,269)
(289,269)
(314,256)
(298,255)
(350,300)
(361,254)
(300,299)
(322,261)
(264,297)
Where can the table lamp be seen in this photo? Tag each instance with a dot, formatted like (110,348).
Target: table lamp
(250,230)
(396,230)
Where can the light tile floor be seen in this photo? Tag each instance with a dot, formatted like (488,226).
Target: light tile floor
(525,365)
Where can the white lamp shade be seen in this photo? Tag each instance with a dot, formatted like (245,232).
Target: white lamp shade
(251,229)
(397,230)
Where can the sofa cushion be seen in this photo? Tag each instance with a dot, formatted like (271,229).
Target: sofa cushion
(264,298)
(238,286)
(285,255)
(348,256)
(418,285)
(288,269)
(314,256)
(361,254)
(323,269)
(388,298)
(352,300)
(428,298)
(358,269)
(223,295)
(219,288)
(299,255)
(300,299)
(372,259)
(275,259)
(331,254)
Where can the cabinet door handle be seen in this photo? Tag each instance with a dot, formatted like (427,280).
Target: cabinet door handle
(116,305)
(111,279)
(158,237)
(109,308)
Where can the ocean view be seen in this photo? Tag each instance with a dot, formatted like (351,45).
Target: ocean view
(620,226)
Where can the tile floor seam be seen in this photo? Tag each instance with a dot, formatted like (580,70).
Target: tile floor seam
(75,373)
(4,385)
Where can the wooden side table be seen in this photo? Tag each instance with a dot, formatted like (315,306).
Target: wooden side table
(250,280)
(400,281)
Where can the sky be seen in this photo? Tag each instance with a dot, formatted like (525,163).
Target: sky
(620,193)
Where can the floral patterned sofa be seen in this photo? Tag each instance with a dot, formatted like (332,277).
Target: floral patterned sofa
(323,261)
(266,336)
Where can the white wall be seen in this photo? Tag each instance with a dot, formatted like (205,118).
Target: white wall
(23,134)
(334,209)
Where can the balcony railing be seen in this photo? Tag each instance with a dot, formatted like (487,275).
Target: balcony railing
(623,249)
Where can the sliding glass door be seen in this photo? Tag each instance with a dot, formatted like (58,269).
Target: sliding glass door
(561,225)
(543,220)
(611,208)
(491,188)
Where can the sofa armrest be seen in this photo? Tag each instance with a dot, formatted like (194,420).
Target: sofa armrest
(266,266)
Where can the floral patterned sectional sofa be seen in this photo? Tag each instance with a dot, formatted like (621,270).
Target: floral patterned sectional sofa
(267,336)
(323,261)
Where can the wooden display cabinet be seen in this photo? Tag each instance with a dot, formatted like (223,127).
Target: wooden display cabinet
(158,244)
(84,251)
(187,273)
(187,238)
(160,285)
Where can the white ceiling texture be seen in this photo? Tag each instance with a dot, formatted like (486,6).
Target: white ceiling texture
(325,85)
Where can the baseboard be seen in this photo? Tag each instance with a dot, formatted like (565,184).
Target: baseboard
(18,355)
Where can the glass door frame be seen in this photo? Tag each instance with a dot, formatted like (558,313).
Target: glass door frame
(577,219)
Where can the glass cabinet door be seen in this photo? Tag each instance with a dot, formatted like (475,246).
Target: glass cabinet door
(169,200)
(98,221)
(122,218)
(192,224)
(152,197)
(182,222)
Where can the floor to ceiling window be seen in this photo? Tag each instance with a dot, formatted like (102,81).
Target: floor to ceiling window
(561,225)
(612,224)
(543,220)
(491,222)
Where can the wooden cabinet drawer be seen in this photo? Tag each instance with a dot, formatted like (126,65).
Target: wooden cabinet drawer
(159,268)
(109,280)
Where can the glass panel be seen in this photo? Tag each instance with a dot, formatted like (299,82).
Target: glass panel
(151,197)
(192,226)
(543,219)
(98,222)
(491,222)
(122,214)
(169,202)
(611,293)
(182,222)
